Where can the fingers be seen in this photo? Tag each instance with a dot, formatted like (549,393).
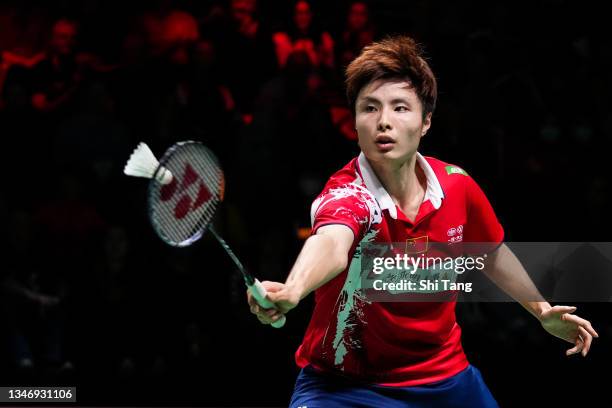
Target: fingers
(276,296)
(587,339)
(258,310)
(582,343)
(272,286)
(272,290)
(253,304)
(580,322)
(579,344)
(265,316)
(269,316)
(562,309)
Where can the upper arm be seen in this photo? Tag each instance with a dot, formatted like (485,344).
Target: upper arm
(341,236)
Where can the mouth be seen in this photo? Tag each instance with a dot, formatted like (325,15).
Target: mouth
(384,142)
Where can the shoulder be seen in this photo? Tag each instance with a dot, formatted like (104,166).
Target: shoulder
(346,187)
(347,182)
(449,175)
(456,183)
(445,168)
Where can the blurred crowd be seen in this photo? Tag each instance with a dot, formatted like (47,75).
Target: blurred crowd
(88,291)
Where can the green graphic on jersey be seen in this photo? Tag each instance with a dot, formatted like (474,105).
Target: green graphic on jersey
(349,313)
(455,170)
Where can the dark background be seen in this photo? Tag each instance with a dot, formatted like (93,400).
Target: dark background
(90,297)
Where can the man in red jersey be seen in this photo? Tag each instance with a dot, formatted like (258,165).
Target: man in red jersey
(358,352)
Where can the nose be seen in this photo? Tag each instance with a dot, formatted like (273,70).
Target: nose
(383,121)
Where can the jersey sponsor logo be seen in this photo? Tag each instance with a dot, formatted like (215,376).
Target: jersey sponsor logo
(455,234)
(454,240)
(455,170)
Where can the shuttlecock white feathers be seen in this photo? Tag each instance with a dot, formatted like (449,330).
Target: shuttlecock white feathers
(142,163)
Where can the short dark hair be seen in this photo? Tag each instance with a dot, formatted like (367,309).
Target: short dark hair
(393,57)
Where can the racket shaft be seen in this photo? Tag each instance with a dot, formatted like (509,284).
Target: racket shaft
(247,276)
(255,287)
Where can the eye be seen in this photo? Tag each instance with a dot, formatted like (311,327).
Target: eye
(370,108)
(401,108)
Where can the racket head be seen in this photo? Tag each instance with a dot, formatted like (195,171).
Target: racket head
(181,211)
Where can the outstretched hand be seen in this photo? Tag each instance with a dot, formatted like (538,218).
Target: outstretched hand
(283,297)
(559,322)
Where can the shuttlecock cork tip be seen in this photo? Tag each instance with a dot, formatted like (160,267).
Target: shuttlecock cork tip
(164,175)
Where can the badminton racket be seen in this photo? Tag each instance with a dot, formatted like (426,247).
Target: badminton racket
(185,190)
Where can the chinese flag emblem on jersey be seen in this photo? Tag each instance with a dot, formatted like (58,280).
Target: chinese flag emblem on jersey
(418,245)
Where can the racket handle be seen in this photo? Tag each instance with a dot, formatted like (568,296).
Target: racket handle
(259,293)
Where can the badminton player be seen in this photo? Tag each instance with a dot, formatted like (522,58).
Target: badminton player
(385,354)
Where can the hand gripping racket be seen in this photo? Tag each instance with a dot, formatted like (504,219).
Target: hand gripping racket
(186,188)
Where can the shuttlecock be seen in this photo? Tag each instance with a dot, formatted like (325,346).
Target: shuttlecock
(142,163)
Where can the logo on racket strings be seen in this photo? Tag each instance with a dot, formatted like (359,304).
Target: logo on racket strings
(179,188)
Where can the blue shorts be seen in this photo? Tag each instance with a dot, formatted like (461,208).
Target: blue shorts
(314,389)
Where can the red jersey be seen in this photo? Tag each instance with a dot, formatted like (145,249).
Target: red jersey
(392,343)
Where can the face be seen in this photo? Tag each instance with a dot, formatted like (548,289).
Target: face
(63,37)
(302,15)
(389,121)
(242,10)
(180,32)
(358,16)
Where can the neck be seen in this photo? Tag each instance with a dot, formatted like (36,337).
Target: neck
(404,182)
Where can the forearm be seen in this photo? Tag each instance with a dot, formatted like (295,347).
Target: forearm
(507,272)
(319,262)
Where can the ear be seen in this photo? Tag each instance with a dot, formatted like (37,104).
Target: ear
(426,124)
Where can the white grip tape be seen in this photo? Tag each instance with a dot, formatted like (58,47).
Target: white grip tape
(259,293)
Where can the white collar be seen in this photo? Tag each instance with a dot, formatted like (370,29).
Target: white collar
(433,193)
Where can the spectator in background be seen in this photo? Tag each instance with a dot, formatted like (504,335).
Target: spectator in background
(179,34)
(174,93)
(23,33)
(304,35)
(242,40)
(8,60)
(358,32)
(56,78)
(49,86)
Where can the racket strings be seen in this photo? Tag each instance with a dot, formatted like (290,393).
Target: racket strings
(182,212)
